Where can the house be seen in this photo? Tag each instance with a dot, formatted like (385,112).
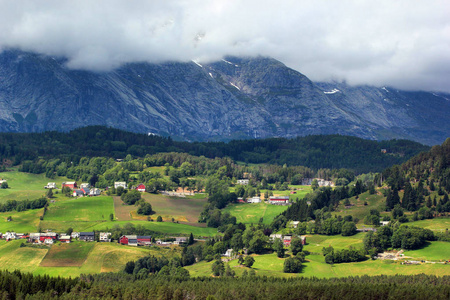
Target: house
(228,253)
(241,200)
(77,193)
(120,183)
(383,151)
(94,192)
(320,182)
(384,223)
(144,240)
(105,237)
(141,188)
(279,200)
(9,236)
(70,184)
(242,181)
(85,185)
(20,235)
(50,185)
(287,240)
(48,241)
(85,191)
(275,236)
(303,239)
(48,236)
(294,224)
(65,239)
(254,200)
(34,237)
(130,240)
(75,235)
(161,243)
(87,236)
(180,240)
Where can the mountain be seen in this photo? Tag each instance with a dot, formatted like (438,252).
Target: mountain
(229,99)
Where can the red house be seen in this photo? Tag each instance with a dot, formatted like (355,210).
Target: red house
(140,188)
(69,184)
(48,235)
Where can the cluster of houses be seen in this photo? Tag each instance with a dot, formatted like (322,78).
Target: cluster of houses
(275,200)
(51,237)
(140,187)
(286,239)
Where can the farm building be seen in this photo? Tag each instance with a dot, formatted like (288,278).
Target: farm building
(144,240)
(294,224)
(320,181)
(180,240)
(242,181)
(94,192)
(228,253)
(120,183)
(85,191)
(75,235)
(9,236)
(87,236)
(65,239)
(50,185)
(70,184)
(105,237)
(254,200)
(241,200)
(48,236)
(135,240)
(279,200)
(85,185)
(275,236)
(140,188)
(287,240)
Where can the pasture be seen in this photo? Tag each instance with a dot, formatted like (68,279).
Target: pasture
(67,255)
(358,209)
(252,212)
(434,251)
(23,186)
(24,221)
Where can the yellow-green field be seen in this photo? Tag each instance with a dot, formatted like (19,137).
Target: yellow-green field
(436,224)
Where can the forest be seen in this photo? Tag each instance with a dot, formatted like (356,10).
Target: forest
(317,151)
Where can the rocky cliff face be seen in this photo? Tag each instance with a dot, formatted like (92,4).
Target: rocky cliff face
(232,98)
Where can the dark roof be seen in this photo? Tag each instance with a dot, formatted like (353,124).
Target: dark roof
(144,237)
(87,233)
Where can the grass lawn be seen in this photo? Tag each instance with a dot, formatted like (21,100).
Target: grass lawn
(436,224)
(25,185)
(252,212)
(436,251)
(23,222)
(162,227)
(67,255)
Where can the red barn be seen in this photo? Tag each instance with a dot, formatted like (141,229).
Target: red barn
(141,188)
(69,184)
(144,240)
(280,200)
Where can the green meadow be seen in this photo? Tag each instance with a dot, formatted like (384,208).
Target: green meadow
(436,224)
(253,212)
(23,186)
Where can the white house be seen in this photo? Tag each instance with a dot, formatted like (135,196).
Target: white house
(180,240)
(384,223)
(120,183)
(94,192)
(9,235)
(85,185)
(228,253)
(105,237)
(75,235)
(48,241)
(254,200)
(242,181)
(294,224)
(50,185)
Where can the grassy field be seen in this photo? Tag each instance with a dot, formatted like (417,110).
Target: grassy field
(252,212)
(25,186)
(358,209)
(315,243)
(436,224)
(13,257)
(164,227)
(315,266)
(67,255)
(435,251)
(23,222)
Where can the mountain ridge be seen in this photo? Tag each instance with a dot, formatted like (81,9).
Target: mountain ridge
(235,98)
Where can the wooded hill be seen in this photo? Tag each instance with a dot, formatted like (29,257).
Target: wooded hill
(317,151)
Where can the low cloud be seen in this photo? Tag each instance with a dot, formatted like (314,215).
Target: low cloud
(405,44)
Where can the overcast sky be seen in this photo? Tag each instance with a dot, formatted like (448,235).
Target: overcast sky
(405,44)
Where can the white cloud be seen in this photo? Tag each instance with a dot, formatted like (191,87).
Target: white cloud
(404,43)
